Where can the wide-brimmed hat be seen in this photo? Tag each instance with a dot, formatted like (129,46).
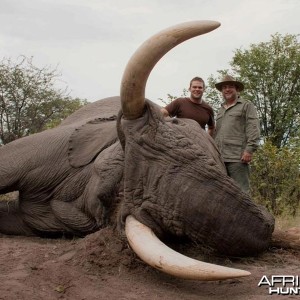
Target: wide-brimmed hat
(227,79)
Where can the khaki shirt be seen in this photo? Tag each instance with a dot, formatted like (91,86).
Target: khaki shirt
(237,130)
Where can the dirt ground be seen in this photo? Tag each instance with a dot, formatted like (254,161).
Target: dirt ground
(102,266)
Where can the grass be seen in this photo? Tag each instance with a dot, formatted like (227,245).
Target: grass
(287,221)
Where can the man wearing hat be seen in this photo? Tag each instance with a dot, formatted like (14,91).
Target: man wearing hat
(237,131)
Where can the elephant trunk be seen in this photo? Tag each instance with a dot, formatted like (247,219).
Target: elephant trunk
(145,58)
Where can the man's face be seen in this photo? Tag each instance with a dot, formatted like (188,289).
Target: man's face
(229,92)
(196,89)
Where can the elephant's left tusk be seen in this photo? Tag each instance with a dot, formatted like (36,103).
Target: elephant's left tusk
(145,58)
(155,253)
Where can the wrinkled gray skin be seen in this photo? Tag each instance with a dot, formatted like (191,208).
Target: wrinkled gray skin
(170,176)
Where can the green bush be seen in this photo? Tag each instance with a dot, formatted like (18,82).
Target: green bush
(275,178)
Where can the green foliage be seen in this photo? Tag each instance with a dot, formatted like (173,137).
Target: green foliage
(61,109)
(275,178)
(271,74)
(29,100)
(170,98)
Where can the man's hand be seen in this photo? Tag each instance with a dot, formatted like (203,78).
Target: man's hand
(246,157)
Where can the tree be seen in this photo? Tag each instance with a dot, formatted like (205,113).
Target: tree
(59,109)
(275,178)
(170,97)
(270,72)
(29,100)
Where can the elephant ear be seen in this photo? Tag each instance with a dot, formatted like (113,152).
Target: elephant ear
(90,139)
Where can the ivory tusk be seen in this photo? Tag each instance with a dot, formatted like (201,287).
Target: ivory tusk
(145,58)
(155,253)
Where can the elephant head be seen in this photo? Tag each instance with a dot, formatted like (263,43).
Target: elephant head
(163,176)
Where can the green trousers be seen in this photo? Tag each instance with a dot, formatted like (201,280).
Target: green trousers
(240,173)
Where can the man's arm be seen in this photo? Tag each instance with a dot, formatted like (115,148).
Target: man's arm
(211,124)
(211,130)
(164,112)
(252,128)
(252,133)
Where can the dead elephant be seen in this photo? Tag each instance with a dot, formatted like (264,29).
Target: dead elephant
(174,182)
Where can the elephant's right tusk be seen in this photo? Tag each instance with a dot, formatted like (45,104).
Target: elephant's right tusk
(155,253)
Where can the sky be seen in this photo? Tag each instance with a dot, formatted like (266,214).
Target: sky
(91,41)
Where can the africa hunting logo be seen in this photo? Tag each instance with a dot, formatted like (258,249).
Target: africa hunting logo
(281,284)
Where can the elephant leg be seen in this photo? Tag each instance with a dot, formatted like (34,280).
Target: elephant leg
(100,195)
(75,221)
(44,219)
(91,210)
(11,221)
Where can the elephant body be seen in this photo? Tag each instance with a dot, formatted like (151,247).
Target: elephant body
(174,180)
(54,181)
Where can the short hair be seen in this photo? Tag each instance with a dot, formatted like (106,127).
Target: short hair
(197,79)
